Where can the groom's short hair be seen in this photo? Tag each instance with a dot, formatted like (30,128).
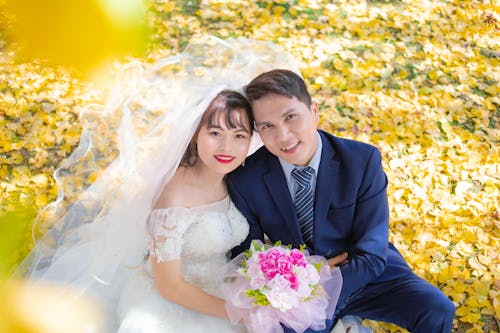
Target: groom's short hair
(278,81)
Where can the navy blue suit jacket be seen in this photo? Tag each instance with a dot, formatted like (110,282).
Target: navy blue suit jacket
(350,210)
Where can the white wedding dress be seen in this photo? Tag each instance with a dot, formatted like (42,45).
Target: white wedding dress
(201,237)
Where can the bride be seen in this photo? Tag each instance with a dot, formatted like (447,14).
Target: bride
(192,226)
(146,238)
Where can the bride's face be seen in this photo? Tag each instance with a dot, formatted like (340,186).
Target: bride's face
(222,149)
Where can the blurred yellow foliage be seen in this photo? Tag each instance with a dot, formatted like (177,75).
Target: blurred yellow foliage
(40,308)
(79,33)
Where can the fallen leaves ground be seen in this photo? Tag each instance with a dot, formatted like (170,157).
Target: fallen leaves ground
(418,79)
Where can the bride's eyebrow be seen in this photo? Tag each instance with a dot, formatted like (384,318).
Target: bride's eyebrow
(242,129)
(214,126)
(237,129)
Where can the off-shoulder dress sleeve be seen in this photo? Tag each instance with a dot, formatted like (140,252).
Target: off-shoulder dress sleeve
(167,227)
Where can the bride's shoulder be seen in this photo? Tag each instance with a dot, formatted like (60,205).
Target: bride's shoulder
(177,193)
(171,196)
(169,210)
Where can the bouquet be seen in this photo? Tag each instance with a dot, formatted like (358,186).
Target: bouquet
(272,285)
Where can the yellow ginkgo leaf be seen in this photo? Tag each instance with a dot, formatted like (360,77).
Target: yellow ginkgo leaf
(471,318)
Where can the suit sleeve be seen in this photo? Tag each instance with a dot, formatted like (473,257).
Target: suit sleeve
(368,254)
(255,231)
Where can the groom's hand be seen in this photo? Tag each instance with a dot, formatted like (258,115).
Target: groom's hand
(338,260)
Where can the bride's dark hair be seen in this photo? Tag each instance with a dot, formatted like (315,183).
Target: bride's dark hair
(228,103)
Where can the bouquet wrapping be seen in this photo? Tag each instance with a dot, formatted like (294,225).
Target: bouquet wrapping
(268,286)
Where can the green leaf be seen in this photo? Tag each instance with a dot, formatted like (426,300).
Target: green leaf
(318,266)
(259,298)
(256,246)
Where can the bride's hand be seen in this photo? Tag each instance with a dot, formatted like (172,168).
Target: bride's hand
(338,260)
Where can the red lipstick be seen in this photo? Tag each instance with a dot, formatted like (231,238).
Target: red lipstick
(224,158)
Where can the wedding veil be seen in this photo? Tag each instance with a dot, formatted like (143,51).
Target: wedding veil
(129,149)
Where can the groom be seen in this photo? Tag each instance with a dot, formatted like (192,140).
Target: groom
(307,186)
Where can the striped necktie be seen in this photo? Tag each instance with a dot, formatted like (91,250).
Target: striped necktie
(304,201)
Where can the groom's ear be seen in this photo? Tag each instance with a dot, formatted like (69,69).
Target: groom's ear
(315,111)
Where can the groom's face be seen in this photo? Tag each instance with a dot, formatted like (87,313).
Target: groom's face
(287,127)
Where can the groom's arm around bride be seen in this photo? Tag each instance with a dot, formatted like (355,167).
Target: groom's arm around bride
(307,186)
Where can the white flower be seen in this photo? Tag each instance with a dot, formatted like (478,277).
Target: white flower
(312,274)
(304,289)
(257,279)
(307,276)
(280,295)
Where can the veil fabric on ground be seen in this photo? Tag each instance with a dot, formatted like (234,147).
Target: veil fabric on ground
(130,147)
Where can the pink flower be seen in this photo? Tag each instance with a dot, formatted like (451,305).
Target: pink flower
(273,272)
(265,265)
(298,258)
(284,264)
(274,262)
(294,282)
(272,254)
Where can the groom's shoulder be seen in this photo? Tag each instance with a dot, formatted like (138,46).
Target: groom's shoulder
(347,147)
(254,164)
(260,156)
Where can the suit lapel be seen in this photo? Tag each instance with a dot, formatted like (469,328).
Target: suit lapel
(277,186)
(326,184)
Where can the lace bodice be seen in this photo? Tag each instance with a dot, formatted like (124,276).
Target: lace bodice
(199,236)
